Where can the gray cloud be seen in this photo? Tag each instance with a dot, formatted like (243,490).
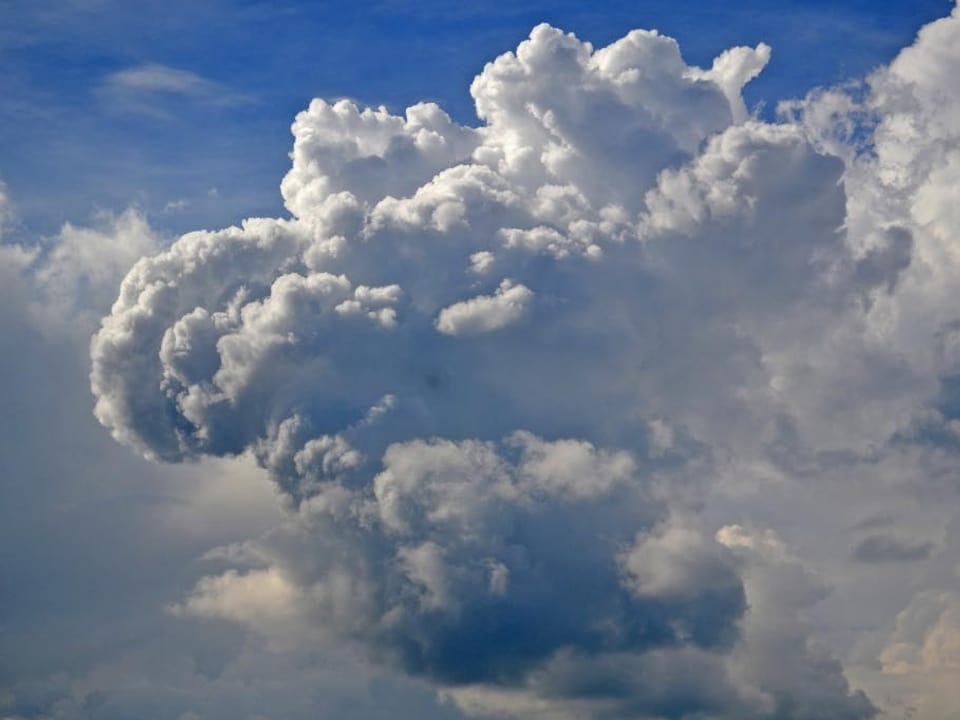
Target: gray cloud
(890,548)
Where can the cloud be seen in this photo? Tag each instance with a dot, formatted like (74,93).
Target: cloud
(459,547)
(889,548)
(921,658)
(795,675)
(486,313)
(80,271)
(95,535)
(144,88)
(526,391)
(153,77)
(101,543)
(460,360)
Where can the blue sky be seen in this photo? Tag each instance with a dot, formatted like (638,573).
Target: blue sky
(70,146)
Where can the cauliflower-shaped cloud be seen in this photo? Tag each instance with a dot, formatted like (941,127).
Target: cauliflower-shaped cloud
(496,371)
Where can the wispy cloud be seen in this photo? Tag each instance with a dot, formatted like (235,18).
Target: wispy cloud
(153,77)
(147,87)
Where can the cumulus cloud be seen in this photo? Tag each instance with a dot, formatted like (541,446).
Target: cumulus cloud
(486,313)
(509,377)
(452,563)
(96,537)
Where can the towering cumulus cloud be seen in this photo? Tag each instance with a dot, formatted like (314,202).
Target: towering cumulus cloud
(510,378)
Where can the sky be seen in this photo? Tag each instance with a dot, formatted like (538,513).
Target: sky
(547,360)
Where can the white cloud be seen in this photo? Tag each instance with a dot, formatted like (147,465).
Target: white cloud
(669,265)
(486,313)
(84,266)
(154,77)
(675,561)
(144,88)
